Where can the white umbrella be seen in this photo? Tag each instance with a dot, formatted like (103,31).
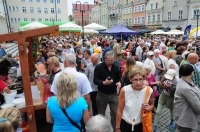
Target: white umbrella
(89,31)
(69,26)
(175,32)
(95,26)
(157,32)
(33,25)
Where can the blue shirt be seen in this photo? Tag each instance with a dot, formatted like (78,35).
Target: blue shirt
(75,112)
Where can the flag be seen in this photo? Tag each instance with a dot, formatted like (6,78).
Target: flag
(186,32)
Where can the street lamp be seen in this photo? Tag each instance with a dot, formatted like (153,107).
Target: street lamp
(82,11)
(197,22)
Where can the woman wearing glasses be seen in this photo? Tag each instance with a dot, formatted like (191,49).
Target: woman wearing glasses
(131,102)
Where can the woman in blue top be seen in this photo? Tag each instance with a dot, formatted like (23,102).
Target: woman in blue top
(69,99)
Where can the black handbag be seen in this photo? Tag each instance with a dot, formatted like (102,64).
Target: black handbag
(82,129)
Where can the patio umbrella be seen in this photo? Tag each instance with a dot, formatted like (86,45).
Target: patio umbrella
(70,27)
(157,32)
(95,26)
(33,25)
(174,32)
(90,31)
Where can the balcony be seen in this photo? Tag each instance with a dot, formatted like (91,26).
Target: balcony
(113,16)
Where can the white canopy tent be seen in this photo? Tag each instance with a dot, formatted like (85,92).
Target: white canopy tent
(158,32)
(90,31)
(69,26)
(95,26)
(174,32)
(33,25)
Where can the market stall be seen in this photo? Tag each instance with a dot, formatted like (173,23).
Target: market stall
(26,61)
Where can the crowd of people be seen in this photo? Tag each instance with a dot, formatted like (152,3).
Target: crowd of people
(88,75)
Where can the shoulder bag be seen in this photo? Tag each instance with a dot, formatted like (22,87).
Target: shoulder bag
(147,116)
(72,122)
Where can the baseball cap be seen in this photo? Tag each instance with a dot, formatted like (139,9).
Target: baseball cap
(150,53)
(156,51)
(170,74)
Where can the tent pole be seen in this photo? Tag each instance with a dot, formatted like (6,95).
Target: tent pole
(121,37)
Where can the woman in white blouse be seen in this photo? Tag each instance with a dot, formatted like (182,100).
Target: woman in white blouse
(172,63)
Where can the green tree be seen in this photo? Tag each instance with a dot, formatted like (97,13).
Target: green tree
(71,18)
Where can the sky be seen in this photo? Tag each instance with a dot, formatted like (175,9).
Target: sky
(74,1)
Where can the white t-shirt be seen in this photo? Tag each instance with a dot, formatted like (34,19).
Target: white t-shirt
(151,63)
(139,52)
(83,84)
(173,62)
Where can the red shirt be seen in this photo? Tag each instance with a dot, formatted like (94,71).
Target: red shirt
(2,85)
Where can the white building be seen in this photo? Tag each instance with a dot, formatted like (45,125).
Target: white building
(3,24)
(94,15)
(36,10)
(194,9)
(175,14)
(154,12)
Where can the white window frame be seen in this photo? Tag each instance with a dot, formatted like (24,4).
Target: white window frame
(158,17)
(153,18)
(149,18)
(31,9)
(169,15)
(180,14)
(151,6)
(45,10)
(139,9)
(156,5)
(139,20)
(175,2)
(24,9)
(135,9)
(142,7)
(135,20)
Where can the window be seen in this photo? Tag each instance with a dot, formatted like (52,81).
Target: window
(142,19)
(195,12)
(24,9)
(58,1)
(180,15)
(45,10)
(138,8)
(129,20)
(156,5)
(18,19)
(30,0)
(17,9)
(15,20)
(52,10)
(39,10)
(126,1)
(23,0)
(46,19)
(10,9)
(13,8)
(158,17)
(169,15)
(153,18)
(31,10)
(38,1)
(135,9)
(151,6)
(45,1)
(138,19)
(59,20)
(59,11)
(32,19)
(149,18)
(11,20)
(135,21)
(175,3)
(142,7)
(25,19)
(39,19)
(52,1)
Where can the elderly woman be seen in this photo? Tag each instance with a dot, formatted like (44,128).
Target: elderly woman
(10,120)
(67,100)
(99,123)
(171,64)
(86,60)
(186,101)
(131,102)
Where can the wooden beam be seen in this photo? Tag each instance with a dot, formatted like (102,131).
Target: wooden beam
(28,33)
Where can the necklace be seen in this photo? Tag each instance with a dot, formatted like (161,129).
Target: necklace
(136,92)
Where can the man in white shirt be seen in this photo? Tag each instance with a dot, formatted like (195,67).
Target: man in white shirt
(139,49)
(83,85)
(149,61)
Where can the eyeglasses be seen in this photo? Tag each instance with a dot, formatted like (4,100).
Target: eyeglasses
(137,80)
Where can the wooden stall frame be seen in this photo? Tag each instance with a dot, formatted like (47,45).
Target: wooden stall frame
(21,38)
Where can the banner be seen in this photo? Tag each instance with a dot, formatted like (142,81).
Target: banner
(186,32)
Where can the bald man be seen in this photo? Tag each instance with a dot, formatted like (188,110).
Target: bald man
(192,59)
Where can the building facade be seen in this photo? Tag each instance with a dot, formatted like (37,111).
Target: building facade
(175,14)
(194,10)
(95,13)
(127,13)
(154,13)
(139,13)
(77,11)
(36,10)
(104,13)
(3,24)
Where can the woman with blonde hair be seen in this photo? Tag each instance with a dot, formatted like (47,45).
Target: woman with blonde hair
(10,120)
(131,102)
(67,102)
(172,63)
(130,62)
